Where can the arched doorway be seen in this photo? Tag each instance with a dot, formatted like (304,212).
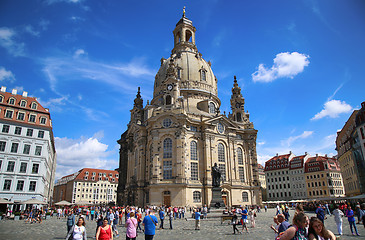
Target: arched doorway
(167,198)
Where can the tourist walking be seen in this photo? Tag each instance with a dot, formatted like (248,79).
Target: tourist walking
(320,213)
(338,214)
(235,223)
(104,231)
(77,231)
(171,215)
(244,215)
(162,217)
(351,219)
(131,226)
(149,222)
(317,230)
(197,219)
(276,227)
(70,220)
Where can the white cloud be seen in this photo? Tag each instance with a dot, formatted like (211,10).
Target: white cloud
(44,24)
(75,154)
(333,109)
(29,29)
(288,142)
(7,41)
(6,75)
(79,52)
(285,65)
(19,89)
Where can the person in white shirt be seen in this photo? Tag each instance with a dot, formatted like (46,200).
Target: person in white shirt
(338,214)
(78,231)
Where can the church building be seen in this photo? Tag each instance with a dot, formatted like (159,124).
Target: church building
(172,143)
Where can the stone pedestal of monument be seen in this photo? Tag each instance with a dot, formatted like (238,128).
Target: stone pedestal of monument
(217,200)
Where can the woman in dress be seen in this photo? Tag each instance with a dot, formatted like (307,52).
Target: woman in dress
(131,226)
(104,231)
(78,231)
(317,231)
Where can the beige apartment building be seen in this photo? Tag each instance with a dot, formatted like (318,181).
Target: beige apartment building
(92,186)
(172,143)
(323,178)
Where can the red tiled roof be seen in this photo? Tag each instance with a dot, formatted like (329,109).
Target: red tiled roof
(317,163)
(277,162)
(89,173)
(297,162)
(40,111)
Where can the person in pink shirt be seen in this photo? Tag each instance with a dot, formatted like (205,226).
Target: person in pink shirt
(131,225)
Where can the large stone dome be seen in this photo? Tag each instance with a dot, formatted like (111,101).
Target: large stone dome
(193,73)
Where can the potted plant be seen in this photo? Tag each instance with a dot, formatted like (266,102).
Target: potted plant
(17,215)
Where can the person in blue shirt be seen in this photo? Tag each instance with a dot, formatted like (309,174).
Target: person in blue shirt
(197,219)
(162,217)
(351,219)
(244,219)
(320,213)
(149,222)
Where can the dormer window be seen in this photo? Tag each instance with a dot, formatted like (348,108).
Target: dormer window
(211,107)
(1,98)
(203,74)
(12,101)
(23,103)
(34,105)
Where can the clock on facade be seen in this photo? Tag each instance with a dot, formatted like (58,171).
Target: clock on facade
(170,87)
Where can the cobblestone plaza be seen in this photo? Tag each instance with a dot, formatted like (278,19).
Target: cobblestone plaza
(211,228)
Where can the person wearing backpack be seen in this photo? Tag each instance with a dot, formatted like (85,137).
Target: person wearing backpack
(70,221)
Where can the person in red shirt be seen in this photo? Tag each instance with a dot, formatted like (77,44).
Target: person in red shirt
(104,231)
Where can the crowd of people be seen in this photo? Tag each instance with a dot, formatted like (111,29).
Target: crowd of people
(303,228)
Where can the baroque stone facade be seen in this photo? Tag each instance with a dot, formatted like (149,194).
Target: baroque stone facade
(171,144)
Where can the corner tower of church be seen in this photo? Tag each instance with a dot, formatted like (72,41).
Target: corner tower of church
(171,144)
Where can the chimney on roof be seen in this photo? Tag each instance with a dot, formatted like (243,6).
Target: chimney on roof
(14,91)
(25,94)
(289,152)
(3,89)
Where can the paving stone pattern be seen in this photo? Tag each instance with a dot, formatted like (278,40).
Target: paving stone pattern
(211,229)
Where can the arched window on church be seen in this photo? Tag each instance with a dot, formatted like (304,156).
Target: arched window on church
(168,100)
(221,154)
(239,156)
(244,197)
(238,117)
(193,151)
(188,36)
(167,148)
(197,196)
(211,107)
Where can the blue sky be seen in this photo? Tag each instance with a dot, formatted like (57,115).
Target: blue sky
(300,65)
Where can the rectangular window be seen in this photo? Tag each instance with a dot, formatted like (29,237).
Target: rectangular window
(0,164)
(41,134)
(31,118)
(20,185)
(43,120)
(194,171)
(167,170)
(18,130)
(241,172)
(29,132)
(38,150)
(9,114)
(2,146)
(21,116)
(35,168)
(32,186)
(11,165)
(14,147)
(222,168)
(26,149)
(6,128)
(193,129)
(23,167)
(7,185)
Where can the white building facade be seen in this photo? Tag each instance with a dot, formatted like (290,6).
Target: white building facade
(297,177)
(27,150)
